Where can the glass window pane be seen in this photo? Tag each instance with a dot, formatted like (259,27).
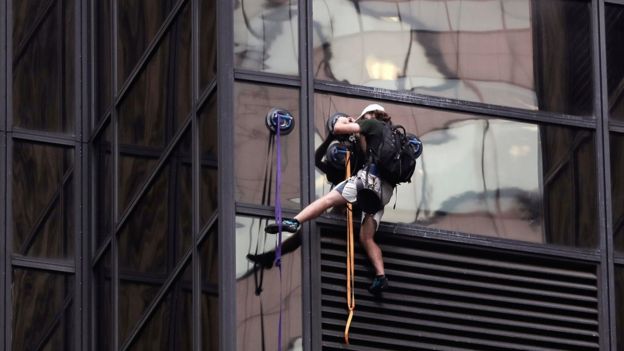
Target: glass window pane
(156,235)
(614,28)
(103,174)
(42,310)
(266,36)
(138,22)
(259,288)
(43,202)
(208,143)
(103,57)
(255,164)
(169,327)
(488,176)
(43,65)
(155,107)
(103,303)
(617,190)
(526,54)
(209,257)
(207,42)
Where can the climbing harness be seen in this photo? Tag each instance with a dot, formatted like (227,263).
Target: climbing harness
(350,257)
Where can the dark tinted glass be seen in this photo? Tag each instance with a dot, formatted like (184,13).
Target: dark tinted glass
(43,202)
(43,65)
(169,327)
(617,190)
(209,256)
(42,311)
(488,176)
(614,28)
(103,174)
(266,36)
(619,307)
(259,287)
(156,235)
(103,303)
(254,150)
(527,54)
(138,22)
(207,42)
(103,57)
(208,143)
(154,108)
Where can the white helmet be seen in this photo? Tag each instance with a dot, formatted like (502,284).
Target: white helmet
(371,108)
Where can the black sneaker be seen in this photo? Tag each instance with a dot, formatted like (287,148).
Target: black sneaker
(290,225)
(265,260)
(380,283)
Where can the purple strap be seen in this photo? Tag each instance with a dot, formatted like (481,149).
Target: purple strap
(278,219)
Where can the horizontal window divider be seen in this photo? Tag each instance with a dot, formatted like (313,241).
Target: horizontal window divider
(478,242)
(268,78)
(46,264)
(617,2)
(453,105)
(261,211)
(44,137)
(149,51)
(616,127)
(619,259)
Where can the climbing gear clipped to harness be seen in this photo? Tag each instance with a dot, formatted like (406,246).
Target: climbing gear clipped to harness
(416,144)
(350,258)
(395,157)
(282,117)
(368,198)
(336,154)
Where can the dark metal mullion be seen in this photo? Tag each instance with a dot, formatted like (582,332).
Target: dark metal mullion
(149,51)
(162,161)
(195,179)
(617,128)
(45,264)
(4,319)
(51,327)
(605,214)
(44,137)
(115,182)
(270,78)
(177,273)
(458,106)
(8,228)
(619,261)
(617,2)
(311,298)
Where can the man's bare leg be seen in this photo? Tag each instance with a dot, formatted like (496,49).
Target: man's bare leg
(367,235)
(316,208)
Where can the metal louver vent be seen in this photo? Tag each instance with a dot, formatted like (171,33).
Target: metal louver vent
(449,298)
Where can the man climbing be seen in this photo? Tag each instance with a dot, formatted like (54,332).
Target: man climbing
(369,128)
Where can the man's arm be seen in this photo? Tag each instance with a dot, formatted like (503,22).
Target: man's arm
(346,125)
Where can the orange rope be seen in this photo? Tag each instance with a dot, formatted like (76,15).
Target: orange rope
(350,258)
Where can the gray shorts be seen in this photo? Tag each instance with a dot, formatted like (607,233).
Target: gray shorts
(348,190)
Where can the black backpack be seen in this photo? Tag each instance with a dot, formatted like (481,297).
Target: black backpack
(396,155)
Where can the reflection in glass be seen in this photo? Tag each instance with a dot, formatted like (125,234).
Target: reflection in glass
(43,65)
(526,54)
(617,190)
(46,298)
(155,107)
(207,42)
(43,201)
(258,288)
(619,307)
(208,144)
(255,154)
(169,327)
(156,235)
(103,185)
(266,36)
(138,22)
(488,176)
(614,28)
(103,57)
(209,257)
(103,303)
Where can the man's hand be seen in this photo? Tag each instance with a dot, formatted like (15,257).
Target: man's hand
(346,125)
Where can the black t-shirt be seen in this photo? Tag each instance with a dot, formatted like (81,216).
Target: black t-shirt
(372,129)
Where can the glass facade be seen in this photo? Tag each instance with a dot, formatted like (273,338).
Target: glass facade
(139,173)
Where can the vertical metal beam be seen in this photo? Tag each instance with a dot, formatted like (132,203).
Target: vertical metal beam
(225,126)
(3,166)
(195,167)
(306,108)
(8,243)
(607,291)
(115,187)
